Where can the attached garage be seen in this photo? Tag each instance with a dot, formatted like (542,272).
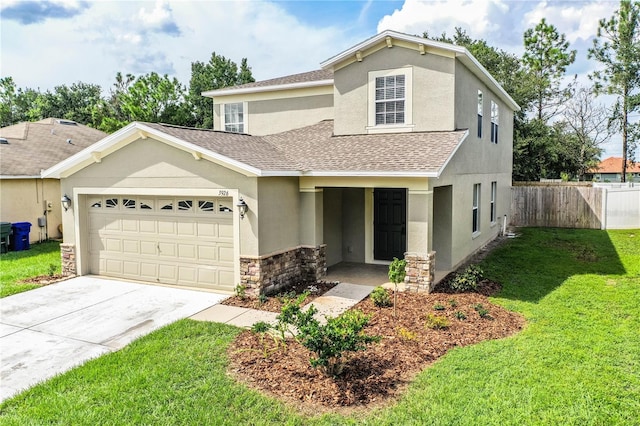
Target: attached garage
(186,241)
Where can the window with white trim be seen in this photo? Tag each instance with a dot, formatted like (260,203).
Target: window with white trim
(494,122)
(390,100)
(390,97)
(475,221)
(233,117)
(494,191)
(480,114)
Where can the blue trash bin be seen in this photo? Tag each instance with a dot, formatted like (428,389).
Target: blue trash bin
(20,239)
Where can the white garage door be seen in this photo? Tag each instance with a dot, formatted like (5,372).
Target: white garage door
(170,240)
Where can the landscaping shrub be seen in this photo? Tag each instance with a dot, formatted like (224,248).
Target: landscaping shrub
(436,322)
(330,341)
(380,297)
(467,280)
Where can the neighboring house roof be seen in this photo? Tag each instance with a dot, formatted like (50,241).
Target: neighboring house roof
(309,151)
(35,146)
(295,81)
(614,165)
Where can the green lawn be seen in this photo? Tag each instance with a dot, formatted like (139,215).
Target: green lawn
(575,363)
(40,259)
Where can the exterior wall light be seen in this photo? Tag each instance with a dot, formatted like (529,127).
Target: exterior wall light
(242,208)
(66,202)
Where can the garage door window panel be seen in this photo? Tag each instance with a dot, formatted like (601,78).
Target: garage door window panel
(111,203)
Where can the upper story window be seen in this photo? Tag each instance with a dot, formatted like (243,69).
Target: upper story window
(390,107)
(233,117)
(480,100)
(494,122)
(390,92)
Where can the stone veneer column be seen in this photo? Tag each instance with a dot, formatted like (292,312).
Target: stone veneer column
(270,273)
(68,257)
(420,271)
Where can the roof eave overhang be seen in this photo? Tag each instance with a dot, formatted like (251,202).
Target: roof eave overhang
(3,177)
(96,152)
(399,174)
(263,89)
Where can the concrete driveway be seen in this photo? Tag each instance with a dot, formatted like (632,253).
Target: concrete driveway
(49,330)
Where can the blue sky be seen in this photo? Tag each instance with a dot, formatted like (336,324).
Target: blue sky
(48,43)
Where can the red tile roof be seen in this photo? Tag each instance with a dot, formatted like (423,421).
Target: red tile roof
(614,165)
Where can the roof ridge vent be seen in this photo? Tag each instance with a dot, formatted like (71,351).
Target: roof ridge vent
(67,122)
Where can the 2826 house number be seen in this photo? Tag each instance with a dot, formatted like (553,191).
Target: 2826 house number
(223,193)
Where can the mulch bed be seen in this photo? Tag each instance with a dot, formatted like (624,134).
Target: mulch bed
(45,279)
(377,376)
(275,302)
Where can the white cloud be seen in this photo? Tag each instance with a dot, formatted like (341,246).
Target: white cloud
(578,21)
(480,17)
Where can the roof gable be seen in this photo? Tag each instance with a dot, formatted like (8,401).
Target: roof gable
(389,39)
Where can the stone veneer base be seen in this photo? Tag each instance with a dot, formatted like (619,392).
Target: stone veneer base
(268,274)
(420,271)
(68,258)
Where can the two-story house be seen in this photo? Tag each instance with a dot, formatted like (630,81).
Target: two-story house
(398,147)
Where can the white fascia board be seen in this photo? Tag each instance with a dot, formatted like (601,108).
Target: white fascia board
(56,170)
(86,155)
(382,36)
(467,56)
(3,177)
(462,139)
(371,174)
(260,89)
(188,146)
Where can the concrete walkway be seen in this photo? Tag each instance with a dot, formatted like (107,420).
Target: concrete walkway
(332,303)
(49,330)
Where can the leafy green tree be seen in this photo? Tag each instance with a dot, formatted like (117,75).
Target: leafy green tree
(219,72)
(546,58)
(8,97)
(154,98)
(617,48)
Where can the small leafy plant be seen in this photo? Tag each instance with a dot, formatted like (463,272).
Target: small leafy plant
(453,303)
(436,322)
(52,269)
(397,273)
(241,291)
(461,315)
(482,311)
(467,280)
(439,307)
(260,327)
(407,335)
(262,298)
(380,297)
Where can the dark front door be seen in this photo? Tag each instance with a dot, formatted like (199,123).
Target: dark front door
(389,223)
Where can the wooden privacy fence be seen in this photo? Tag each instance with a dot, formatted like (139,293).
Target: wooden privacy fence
(561,205)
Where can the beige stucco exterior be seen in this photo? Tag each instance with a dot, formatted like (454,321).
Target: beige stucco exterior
(431,97)
(26,200)
(278,111)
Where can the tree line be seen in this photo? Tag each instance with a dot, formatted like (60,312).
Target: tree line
(151,97)
(557,134)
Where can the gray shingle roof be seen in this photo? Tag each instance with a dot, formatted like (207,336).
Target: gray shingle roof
(315,149)
(34,146)
(304,77)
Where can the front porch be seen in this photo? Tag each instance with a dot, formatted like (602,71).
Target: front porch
(368,274)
